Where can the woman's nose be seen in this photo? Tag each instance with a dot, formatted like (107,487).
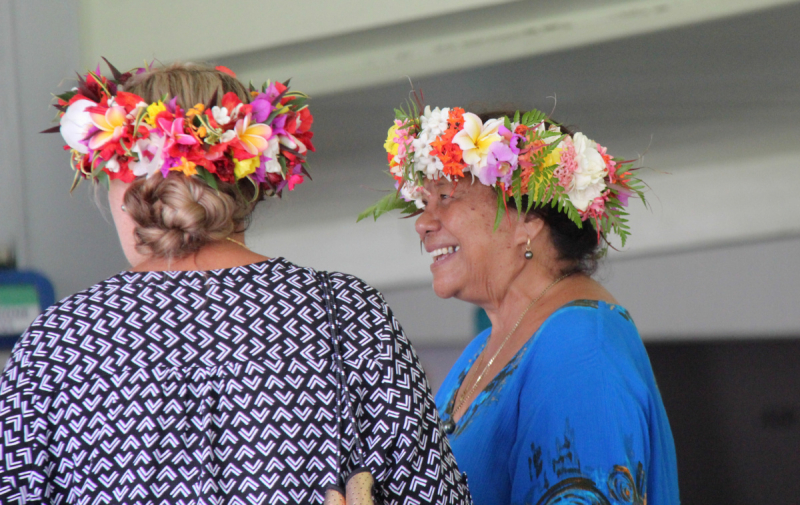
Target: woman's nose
(426,222)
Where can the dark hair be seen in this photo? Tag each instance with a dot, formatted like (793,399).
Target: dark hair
(578,246)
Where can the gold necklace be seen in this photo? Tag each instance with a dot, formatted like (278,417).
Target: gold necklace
(450,425)
(237,242)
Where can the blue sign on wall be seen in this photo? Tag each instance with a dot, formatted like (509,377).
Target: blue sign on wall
(23,296)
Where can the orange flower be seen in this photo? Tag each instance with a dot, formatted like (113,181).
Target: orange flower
(187,167)
(194,111)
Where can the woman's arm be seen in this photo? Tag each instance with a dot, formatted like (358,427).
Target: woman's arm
(583,421)
(23,425)
(407,454)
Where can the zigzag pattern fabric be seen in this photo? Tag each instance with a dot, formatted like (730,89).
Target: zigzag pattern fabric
(189,388)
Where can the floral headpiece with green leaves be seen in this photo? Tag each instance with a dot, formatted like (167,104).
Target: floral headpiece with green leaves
(526,155)
(114,134)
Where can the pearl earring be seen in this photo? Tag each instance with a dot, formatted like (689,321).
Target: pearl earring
(528,252)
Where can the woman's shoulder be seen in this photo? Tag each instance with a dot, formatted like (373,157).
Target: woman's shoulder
(586,335)
(586,322)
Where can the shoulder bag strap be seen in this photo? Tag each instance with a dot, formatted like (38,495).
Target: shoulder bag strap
(342,391)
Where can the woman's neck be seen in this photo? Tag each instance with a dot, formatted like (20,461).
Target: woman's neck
(212,256)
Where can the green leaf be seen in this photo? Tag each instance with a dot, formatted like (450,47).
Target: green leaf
(501,207)
(297,103)
(102,178)
(533,118)
(207,176)
(386,204)
(75,181)
(66,96)
(98,169)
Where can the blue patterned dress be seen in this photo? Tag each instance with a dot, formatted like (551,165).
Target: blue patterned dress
(575,417)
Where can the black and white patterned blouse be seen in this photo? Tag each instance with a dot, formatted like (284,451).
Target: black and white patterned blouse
(215,388)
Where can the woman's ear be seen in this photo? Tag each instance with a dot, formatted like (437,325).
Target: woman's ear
(529,226)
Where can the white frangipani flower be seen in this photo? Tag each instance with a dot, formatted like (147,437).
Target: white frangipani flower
(227,136)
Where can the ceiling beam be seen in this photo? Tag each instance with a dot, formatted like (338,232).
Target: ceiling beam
(473,38)
(201,30)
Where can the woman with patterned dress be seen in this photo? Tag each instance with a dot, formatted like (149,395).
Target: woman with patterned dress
(556,402)
(206,373)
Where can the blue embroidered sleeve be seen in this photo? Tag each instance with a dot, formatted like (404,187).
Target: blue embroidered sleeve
(583,416)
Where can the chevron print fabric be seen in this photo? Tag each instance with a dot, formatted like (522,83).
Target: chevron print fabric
(192,388)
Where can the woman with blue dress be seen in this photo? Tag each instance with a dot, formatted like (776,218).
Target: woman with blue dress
(556,402)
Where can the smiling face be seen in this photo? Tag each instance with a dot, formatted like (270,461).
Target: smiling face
(471,261)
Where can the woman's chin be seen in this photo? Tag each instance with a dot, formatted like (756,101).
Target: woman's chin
(445,286)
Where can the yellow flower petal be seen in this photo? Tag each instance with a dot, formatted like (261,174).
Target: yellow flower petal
(152,111)
(390,145)
(243,168)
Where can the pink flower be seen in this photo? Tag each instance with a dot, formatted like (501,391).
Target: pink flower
(294,180)
(596,208)
(262,107)
(174,133)
(611,165)
(567,166)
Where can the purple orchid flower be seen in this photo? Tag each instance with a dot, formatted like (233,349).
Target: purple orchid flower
(172,104)
(279,125)
(501,164)
(169,162)
(272,93)
(262,107)
(260,174)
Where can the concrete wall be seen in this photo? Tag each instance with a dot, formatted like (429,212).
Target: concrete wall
(64,236)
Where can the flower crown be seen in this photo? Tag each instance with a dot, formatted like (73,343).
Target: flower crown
(114,134)
(524,156)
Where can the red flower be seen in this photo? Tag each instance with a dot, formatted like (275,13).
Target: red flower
(230,101)
(224,170)
(305,138)
(124,174)
(225,70)
(128,100)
